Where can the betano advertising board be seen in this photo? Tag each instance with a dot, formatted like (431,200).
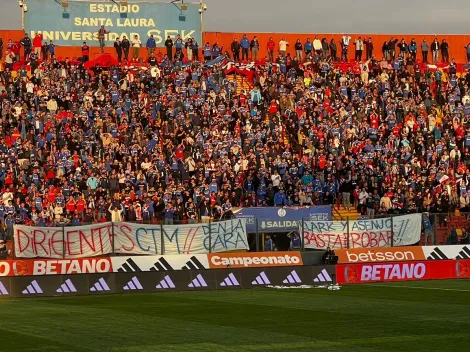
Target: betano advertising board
(402,271)
(80,21)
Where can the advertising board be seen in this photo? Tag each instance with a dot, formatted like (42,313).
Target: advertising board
(150,282)
(80,21)
(371,255)
(254,260)
(402,271)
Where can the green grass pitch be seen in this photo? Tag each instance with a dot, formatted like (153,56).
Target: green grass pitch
(412,316)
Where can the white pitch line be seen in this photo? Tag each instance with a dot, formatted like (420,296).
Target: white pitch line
(419,288)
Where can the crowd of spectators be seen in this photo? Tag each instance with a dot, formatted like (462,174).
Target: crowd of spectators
(179,141)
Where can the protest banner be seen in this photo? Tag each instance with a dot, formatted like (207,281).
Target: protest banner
(127,238)
(180,239)
(63,242)
(362,233)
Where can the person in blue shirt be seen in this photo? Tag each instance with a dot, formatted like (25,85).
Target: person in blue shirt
(151,45)
(245,45)
(280,198)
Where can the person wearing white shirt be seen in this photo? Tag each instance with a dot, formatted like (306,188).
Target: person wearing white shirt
(359,48)
(345,39)
(317,46)
(283,44)
(136,45)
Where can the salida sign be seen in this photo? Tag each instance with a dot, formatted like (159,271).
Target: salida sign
(404,271)
(81,20)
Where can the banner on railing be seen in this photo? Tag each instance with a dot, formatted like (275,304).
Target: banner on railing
(60,242)
(285,219)
(362,233)
(180,239)
(127,238)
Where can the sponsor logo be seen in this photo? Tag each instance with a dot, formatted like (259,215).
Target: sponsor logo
(437,254)
(20,268)
(100,286)
(365,255)
(133,285)
(161,265)
(386,272)
(253,260)
(72,266)
(193,264)
(166,283)
(198,281)
(67,287)
(3,290)
(323,277)
(32,289)
(129,267)
(464,253)
(261,279)
(292,278)
(461,268)
(230,280)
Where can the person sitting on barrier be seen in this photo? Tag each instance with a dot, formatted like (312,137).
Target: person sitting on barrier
(4,251)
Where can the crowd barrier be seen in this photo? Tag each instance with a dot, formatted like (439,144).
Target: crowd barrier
(150,282)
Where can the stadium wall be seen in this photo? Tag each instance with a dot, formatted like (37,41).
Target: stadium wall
(456,42)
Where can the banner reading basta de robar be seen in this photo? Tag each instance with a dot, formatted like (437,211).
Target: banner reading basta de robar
(127,238)
(362,233)
(80,20)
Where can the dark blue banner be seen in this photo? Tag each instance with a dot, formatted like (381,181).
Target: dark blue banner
(275,219)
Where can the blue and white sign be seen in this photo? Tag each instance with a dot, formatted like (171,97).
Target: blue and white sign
(80,21)
(274,219)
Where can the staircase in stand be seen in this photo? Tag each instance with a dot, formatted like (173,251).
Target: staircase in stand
(342,214)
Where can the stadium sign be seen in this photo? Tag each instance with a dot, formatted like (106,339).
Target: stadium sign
(80,21)
(276,219)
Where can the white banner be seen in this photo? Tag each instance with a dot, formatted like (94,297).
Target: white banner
(221,236)
(363,233)
(100,239)
(67,242)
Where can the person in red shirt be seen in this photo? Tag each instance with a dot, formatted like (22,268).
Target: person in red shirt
(37,44)
(71,204)
(271,46)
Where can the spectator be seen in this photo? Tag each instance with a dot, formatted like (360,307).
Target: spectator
(101,37)
(27,45)
(345,39)
(467,47)
(369,48)
(136,45)
(118,48)
(150,45)
(435,47)
(245,46)
(283,44)
(37,44)
(359,45)
(298,50)
(85,52)
(425,50)
(445,51)
(236,49)
(271,45)
(169,48)
(125,46)
(254,46)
